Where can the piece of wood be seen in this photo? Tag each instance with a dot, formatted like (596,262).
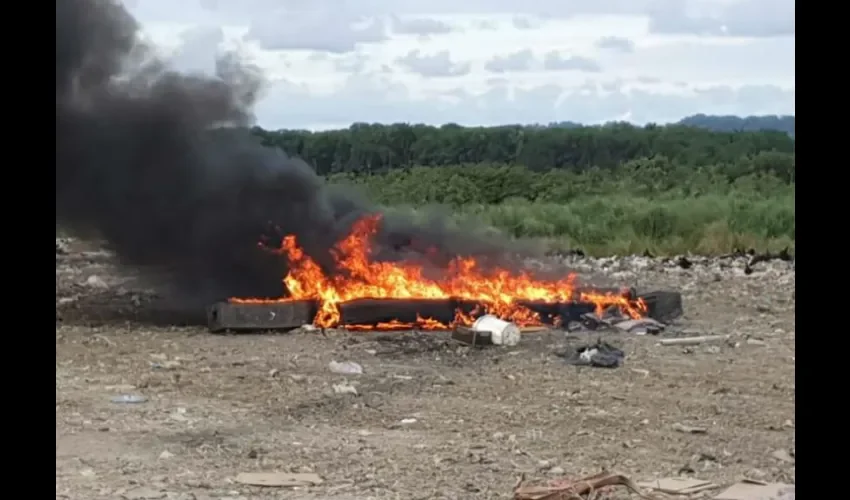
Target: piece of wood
(279,479)
(470,336)
(258,316)
(663,305)
(694,340)
(374,311)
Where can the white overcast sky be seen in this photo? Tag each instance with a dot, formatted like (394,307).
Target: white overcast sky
(330,63)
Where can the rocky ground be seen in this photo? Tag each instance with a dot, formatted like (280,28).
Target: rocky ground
(426,419)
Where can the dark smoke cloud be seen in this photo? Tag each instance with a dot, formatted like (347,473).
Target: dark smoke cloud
(162,166)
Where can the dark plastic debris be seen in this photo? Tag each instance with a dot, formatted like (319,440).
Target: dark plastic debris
(600,354)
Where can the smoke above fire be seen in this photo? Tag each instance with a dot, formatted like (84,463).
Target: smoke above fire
(162,166)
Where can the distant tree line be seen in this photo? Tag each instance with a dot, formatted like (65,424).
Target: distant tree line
(375,149)
(730,123)
(725,123)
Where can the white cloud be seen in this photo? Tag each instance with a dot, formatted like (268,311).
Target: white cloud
(755,18)
(436,65)
(524,23)
(315,28)
(555,61)
(334,62)
(520,60)
(616,43)
(419,26)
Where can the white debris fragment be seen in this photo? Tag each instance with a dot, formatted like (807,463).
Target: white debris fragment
(345,368)
(96,281)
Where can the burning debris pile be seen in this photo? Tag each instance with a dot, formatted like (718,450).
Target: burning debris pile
(366,293)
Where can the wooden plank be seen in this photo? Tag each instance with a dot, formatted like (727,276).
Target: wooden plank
(684,341)
(247,317)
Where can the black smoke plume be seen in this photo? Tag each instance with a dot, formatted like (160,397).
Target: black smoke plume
(162,166)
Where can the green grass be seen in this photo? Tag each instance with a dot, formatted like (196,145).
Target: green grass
(619,224)
(645,205)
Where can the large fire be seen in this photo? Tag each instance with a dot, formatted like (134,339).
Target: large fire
(498,291)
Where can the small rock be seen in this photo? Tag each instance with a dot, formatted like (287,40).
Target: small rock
(96,281)
(344,389)
(556,471)
(687,429)
(62,247)
(783,455)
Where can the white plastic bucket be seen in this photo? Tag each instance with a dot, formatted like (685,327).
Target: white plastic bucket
(501,332)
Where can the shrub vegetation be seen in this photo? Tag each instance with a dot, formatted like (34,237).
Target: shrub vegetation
(610,189)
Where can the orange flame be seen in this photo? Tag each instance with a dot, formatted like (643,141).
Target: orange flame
(499,291)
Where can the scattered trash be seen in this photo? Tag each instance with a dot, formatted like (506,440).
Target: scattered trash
(678,485)
(165,455)
(688,429)
(345,368)
(685,341)
(592,321)
(344,388)
(567,489)
(279,479)
(757,490)
(129,399)
(309,328)
(756,342)
(408,421)
(601,354)
(640,326)
(615,318)
(501,332)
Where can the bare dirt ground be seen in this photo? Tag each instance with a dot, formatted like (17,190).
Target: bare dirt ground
(430,420)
